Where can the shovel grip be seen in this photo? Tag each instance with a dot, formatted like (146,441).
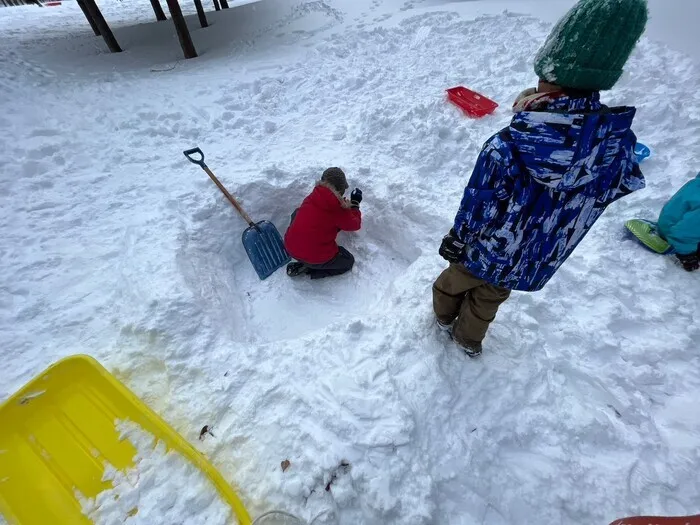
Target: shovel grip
(195,151)
(200,162)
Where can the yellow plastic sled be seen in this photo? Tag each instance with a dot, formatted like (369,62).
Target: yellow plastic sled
(57,432)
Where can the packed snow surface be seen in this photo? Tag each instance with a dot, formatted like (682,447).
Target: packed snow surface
(583,407)
(162,488)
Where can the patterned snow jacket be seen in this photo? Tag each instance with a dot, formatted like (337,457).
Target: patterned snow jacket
(540,184)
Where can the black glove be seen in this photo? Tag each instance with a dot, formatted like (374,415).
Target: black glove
(690,262)
(356,198)
(452,249)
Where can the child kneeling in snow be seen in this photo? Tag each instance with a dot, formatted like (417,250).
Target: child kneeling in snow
(679,224)
(541,183)
(310,238)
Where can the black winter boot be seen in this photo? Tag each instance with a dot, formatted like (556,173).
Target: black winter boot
(471,348)
(295,269)
(690,262)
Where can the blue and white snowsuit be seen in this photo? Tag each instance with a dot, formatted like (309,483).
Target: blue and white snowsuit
(540,184)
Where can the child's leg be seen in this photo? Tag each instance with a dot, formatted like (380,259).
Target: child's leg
(340,264)
(449,292)
(478,312)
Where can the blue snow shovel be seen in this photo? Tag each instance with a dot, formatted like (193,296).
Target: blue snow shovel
(261,240)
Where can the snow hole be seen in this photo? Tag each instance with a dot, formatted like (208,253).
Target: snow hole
(217,270)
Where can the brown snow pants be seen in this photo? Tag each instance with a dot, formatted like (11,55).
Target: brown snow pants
(457,294)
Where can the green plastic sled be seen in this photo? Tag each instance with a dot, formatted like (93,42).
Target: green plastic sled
(646,232)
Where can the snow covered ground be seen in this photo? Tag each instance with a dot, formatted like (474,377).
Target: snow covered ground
(584,405)
(161,487)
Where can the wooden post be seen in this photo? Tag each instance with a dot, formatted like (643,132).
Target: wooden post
(183,34)
(102,26)
(92,23)
(224,4)
(158,10)
(216,5)
(200,13)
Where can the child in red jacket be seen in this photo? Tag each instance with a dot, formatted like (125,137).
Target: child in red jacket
(310,238)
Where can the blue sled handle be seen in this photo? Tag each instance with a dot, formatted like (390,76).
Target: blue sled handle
(641,151)
(195,151)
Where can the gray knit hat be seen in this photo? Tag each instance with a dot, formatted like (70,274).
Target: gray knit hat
(336,178)
(589,46)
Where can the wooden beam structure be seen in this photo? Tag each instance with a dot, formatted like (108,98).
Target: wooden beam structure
(102,26)
(224,4)
(99,24)
(200,13)
(183,34)
(216,5)
(158,10)
(92,23)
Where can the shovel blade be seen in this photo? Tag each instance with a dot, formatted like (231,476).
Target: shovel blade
(265,248)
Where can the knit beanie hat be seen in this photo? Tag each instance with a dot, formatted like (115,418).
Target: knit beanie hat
(336,178)
(589,46)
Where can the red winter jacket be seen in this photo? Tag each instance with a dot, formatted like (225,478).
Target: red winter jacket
(311,236)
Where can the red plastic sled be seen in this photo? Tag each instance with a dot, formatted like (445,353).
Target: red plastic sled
(472,103)
(658,520)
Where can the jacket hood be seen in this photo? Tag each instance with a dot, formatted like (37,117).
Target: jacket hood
(326,197)
(573,141)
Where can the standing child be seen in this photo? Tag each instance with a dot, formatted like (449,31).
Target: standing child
(310,238)
(679,224)
(541,183)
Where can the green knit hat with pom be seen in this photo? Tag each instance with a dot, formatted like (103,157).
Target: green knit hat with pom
(589,46)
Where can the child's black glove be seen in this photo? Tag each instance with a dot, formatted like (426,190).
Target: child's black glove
(356,198)
(690,262)
(452,249)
